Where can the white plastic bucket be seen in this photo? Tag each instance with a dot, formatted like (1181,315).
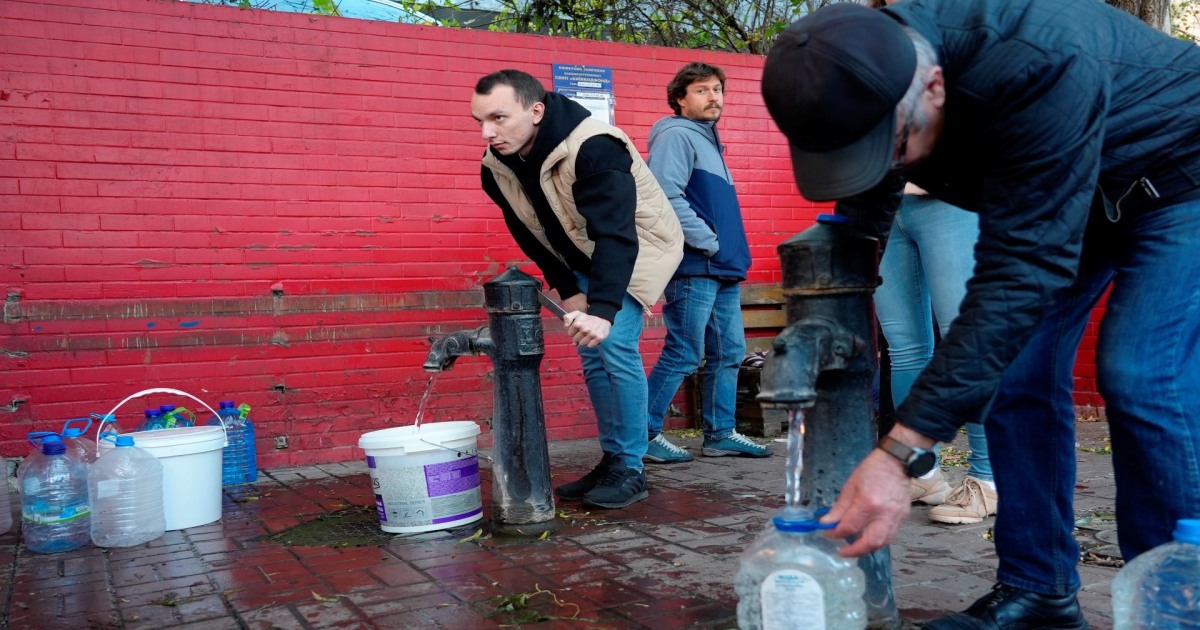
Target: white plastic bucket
(425,478)
(191,460)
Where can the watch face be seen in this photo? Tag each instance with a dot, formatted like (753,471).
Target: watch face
(921,463)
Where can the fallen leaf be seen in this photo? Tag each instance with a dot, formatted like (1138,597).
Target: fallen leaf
(322,598)
(476,535)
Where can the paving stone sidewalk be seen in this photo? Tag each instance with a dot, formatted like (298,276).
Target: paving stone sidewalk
(301,548)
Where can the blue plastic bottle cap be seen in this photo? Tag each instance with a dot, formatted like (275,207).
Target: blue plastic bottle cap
(226,404)
(800,520)
(72,433)
(831,218)
(53,445)
(1187,530)
(124,440)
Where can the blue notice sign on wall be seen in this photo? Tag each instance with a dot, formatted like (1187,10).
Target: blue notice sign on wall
(590,86)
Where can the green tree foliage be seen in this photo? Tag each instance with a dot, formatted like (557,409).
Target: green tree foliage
(740,26)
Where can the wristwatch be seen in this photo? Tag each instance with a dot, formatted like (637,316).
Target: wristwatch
(916,461)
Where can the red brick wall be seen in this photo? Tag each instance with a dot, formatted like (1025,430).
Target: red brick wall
(280,209)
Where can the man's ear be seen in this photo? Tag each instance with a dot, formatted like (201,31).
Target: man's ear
(539,110)
(936,85)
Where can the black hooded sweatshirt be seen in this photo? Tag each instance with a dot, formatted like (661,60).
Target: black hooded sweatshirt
(605,194)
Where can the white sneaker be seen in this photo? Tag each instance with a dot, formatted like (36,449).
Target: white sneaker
(931,491)
(971,502)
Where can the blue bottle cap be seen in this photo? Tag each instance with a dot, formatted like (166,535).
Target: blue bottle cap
(153,412)
(124,440)
(166,408)
(226,404)
(832,219)
(71,432)
(800,520)
(1187,530)
(53,445)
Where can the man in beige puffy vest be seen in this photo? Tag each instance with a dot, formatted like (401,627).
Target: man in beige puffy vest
(585,208)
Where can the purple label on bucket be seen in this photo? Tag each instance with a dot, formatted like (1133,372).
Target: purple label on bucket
(370,461)
(452,477)
(447,519)
(382,510)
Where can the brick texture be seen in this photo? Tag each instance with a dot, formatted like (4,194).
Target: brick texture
(280,209)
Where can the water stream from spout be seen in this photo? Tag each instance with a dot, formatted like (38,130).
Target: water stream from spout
(795,456)
(425,399)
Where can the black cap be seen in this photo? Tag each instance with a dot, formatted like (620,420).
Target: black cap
(832,82)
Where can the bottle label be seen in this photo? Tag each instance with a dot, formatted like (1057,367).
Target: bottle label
(42,514)
(792,600)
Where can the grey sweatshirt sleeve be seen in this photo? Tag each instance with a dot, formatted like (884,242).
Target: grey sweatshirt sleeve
(671,159)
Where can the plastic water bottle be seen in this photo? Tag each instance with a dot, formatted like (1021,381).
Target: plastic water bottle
(126,487)
(35,439)
(5,506)
(175,417)
(239,461)
(54,501)
(1160,589)
(791,577)
(153,420)
(108,423)
(79,446)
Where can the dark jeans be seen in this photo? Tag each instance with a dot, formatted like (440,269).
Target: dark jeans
(1148,371)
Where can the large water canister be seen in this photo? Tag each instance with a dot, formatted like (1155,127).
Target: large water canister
(126,488)
(54,500)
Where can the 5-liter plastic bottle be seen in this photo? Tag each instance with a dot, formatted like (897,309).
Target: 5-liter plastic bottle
(126,487)
(35,439)
(792,578)
(54,501)
(5,507)
(239,461)
(79,446)
(1160,589)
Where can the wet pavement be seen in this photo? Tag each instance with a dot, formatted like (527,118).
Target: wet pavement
(301,548)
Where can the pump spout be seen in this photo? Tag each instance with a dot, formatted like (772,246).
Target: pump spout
(799,355)
(447,348)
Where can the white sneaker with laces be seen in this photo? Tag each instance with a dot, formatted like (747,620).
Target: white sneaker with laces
(971,502)
(931,491)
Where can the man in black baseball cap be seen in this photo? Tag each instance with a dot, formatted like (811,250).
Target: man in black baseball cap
(842,136)
(1073,130)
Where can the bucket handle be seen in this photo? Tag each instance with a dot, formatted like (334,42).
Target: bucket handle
(160,390)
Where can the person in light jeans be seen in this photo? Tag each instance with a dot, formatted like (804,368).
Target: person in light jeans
(925,268)
(703,310)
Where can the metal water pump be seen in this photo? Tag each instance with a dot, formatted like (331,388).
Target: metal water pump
(823,363)
(522,502)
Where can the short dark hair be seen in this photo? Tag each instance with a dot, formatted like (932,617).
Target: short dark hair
(528,89)
(686,76)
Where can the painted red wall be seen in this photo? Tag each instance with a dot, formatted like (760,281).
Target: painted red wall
(280,209)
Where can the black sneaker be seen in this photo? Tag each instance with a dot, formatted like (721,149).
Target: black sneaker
(1008,607)
(575,490)
(621,486)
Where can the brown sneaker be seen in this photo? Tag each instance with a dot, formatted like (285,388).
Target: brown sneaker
(931,491)
(970,502)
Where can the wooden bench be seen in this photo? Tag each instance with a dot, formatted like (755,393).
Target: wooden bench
(764,315)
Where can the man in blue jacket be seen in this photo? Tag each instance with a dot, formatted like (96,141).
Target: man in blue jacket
(1073,130)
(703,310)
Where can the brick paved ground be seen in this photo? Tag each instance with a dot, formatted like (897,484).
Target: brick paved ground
(666,562)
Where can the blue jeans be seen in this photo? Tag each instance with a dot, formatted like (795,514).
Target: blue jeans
(1148,371)
(704,318)
(616,383)
(925,268)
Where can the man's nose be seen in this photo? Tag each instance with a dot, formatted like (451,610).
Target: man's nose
(488,131)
